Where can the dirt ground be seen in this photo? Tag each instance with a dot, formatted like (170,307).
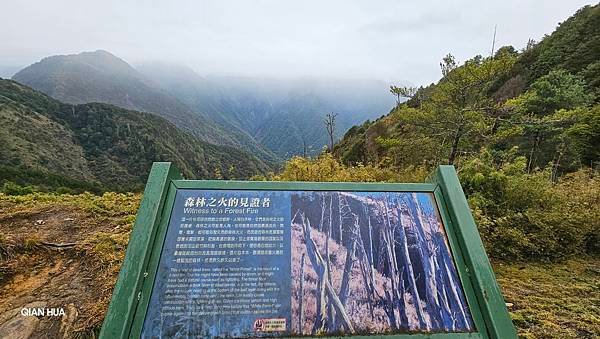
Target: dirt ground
(60,255)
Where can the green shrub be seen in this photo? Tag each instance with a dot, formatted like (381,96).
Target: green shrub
(526,216)
(520,216)
(10,188)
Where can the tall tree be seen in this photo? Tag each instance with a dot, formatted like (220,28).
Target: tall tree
(330,127)
(458,106)
(402,92)
(537,118)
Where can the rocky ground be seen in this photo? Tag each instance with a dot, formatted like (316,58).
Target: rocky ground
(63,251)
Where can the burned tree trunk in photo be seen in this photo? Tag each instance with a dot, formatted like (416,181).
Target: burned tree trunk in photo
(426,258)
(322,213)
(340,219)
(366,262)
(444,303)
(301,296)
(370,248)
(368,283)
(330,311)
(321,314)
(326,289)
(345,287)
(395,301)
(408,268)
(459,316)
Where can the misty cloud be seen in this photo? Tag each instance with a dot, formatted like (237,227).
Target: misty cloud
(386,40)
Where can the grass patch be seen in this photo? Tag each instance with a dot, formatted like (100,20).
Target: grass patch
(107,248)
(557,300)
(109,204)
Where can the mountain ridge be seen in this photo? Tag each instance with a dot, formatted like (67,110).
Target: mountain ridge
(100,76)
(105,144)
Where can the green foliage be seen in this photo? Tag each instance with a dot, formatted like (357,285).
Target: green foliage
(556,90)
(402,92)
(99,76)
(583,133)
(107,205)
(108,248)
(520,215)
(560,72)
(552,300)
(523,130)
(526,216)
(11,188)
(456,112)
(22,180)
(574,46)
(543,128)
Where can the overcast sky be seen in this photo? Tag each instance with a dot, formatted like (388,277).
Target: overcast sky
(387,40)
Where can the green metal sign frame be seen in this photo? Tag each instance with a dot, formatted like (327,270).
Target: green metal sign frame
(131,294)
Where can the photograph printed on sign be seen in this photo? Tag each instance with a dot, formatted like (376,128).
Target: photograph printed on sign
(372,263)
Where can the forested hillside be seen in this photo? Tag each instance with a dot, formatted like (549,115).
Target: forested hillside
(102,77)
(95,146)
(540,103)
(273,119)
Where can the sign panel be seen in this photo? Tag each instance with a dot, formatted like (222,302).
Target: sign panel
(280,263)
(221,259)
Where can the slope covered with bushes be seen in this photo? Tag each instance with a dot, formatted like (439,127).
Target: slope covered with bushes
(100,144)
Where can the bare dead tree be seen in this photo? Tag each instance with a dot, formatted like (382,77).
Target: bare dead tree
(301,297)
(322,213)
(407,265)
(345,287)
(330,127)
(327,289)
(330,315)
(364,270)
(367,263)
(304,147)
(370,248)
(340,222)
(425,251)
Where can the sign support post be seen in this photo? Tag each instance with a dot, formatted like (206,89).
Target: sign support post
(126,294)
(480,270)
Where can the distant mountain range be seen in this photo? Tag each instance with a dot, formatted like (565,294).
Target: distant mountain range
(102,77)
(101,146)
(272,119)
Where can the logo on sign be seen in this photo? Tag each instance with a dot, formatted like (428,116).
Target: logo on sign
(270,325)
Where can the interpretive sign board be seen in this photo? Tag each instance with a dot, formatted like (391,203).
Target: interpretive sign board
(231,259)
